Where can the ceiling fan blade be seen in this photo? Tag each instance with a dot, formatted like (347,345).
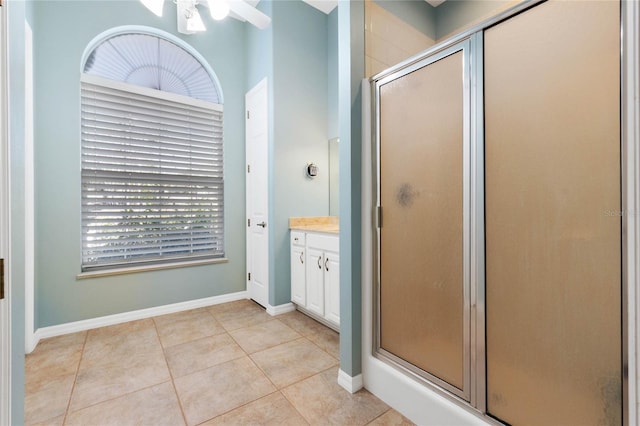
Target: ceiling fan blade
(249,13)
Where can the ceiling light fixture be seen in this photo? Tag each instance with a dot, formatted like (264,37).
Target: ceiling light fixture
(194,21)
(189,19)
(219,9)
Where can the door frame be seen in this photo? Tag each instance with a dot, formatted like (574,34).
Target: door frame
(630,135)
(262,85)
(5,305)
(403,393)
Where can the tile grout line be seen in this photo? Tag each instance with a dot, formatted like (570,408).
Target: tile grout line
(173,384)
(235,342)
(269,378)
(253,362)
(382,414)
(268,347)
(198,370)
(293,405)
(120,395)
(318,374)
(271,381)
(324,350)
(238,407)
(302,336)
(75,378)
(297,381)
(305,335)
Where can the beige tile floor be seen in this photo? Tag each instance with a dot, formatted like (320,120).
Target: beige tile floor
(228,364)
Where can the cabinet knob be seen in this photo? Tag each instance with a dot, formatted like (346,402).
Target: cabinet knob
(319,262)
(326,264)
(301,260)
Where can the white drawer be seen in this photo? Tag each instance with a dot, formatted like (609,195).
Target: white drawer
(297,238)
(328,242)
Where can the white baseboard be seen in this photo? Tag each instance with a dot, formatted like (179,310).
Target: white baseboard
(351,384)
(73,327)
(280,309)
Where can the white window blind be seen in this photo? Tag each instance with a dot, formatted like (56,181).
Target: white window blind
(152,176)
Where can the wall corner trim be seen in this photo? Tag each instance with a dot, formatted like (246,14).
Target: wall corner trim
(31,340)
(88,324)
(280,309)
(351,384)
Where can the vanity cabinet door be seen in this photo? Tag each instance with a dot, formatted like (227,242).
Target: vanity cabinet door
(298,284)
(315,281)
(332,287)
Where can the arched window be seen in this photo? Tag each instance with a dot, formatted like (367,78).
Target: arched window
(152,162)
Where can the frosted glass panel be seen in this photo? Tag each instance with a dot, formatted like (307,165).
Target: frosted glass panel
(553,229)
(421,190)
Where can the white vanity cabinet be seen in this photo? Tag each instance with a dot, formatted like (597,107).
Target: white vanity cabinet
(315,274)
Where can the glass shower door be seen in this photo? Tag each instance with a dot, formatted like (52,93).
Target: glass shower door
(424,283)
(553,229)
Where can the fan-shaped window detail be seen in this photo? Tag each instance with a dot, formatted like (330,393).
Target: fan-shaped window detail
(152,153)
(150,61)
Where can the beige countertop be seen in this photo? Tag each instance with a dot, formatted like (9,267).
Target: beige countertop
(329,224)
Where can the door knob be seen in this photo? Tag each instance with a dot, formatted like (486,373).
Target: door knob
(263,224)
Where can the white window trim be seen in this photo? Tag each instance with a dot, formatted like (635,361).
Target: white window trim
(145,91)
(149,268)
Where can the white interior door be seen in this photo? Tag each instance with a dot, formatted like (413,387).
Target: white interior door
(5,360)
(257,140)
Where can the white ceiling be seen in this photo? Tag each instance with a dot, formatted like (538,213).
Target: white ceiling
(327,6)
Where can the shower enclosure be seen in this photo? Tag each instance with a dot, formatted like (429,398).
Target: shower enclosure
(498,279)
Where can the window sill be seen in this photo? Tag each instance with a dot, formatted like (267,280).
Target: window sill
(148,268)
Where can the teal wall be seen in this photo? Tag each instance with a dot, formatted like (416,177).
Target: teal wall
(417,13)
(332,74)
(259,51)
(62,30)
(300,128)
(17,14)
(351,73)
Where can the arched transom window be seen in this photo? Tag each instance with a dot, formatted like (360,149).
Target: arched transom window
(152,162)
